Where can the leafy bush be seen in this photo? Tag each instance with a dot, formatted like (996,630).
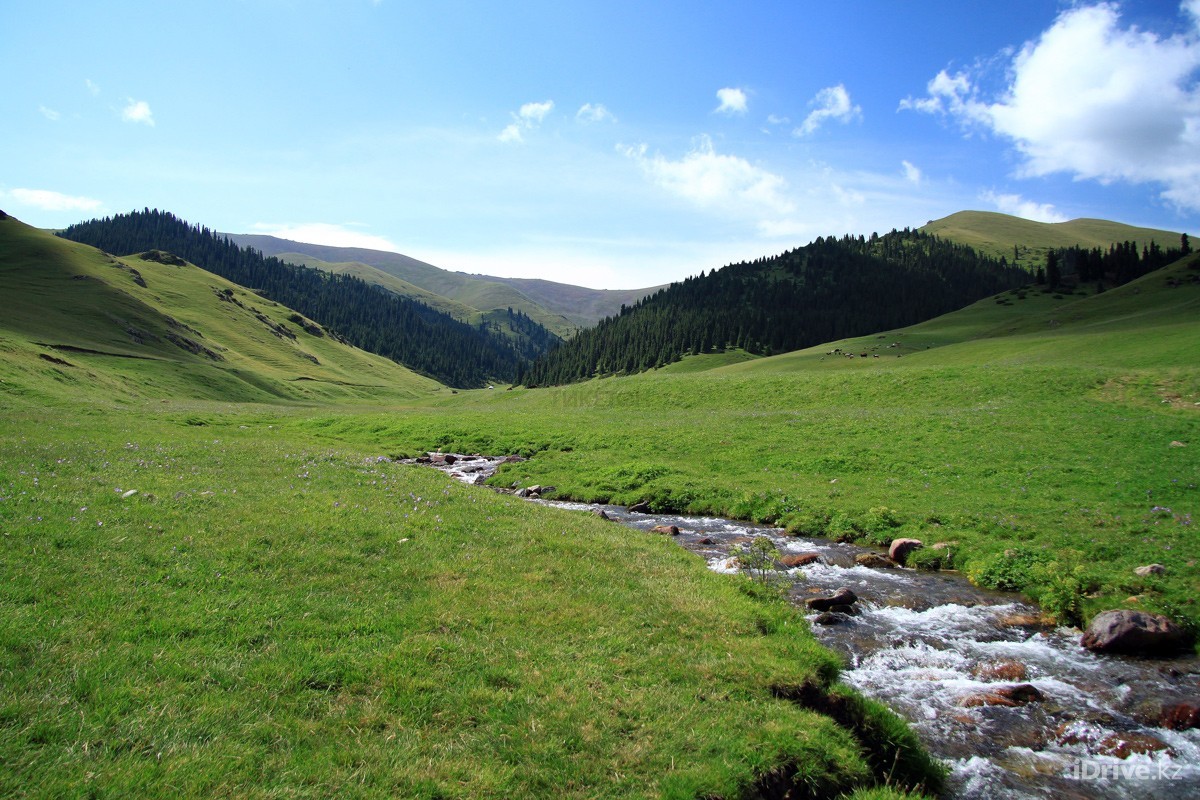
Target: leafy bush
(757,558)
(1010,571)
(930,559)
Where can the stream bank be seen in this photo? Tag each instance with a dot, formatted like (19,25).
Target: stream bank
(1015,708)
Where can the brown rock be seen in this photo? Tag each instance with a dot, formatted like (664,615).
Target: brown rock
(900,548)
(1001,671)
(707,541)
(669,530)
(1180,717)
(800,559)
(874,561)
(842,597)
(1123,745)
(1008,696)
(640,508)
(601,513)
(1135,633)
(1148,570)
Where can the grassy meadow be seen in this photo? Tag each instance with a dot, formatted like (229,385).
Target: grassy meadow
(1052,440)
(215,579)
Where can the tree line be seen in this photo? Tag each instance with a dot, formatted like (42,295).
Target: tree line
(406,331)
(1121,263)
(830,289)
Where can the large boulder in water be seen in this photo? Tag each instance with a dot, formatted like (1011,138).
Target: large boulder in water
(874,561)
(792,560)
(900,549)
(1134,633)
(842,597)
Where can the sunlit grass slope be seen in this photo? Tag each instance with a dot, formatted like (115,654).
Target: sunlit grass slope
(997,234)
(82,323)
(1055,441)
(202,595)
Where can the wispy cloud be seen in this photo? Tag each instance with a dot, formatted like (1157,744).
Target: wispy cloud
(708,178)
(830,104)
(1020,207)
(590,112)
(529,117)
(326,233)
(732,101)
(138,111)
(1129,111)
(49,113)
(911,173)
(92,88)
(47,200)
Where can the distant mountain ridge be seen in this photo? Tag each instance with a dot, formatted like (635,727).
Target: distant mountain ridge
(1026,242)
(562,308)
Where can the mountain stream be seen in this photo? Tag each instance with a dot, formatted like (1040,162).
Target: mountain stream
(947,656)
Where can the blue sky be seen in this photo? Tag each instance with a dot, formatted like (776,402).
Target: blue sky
(608,144)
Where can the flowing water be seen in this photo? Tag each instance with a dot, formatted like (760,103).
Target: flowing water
(936,650)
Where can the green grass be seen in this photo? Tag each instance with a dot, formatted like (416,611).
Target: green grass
(273,617)
(214,581)
(707,361)
(275,613)
(1056,441)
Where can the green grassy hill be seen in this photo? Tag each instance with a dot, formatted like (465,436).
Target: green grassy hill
(998,234)
(86,323)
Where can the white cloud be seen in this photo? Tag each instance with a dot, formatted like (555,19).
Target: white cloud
(1095,100)
(49,113)
(1018,206)
(91,87)
(138,111)
(710,179)
(527,118)
(511,133)
(733,101)
(948,94)
(831,103)
(775,119)
(325,233)
(46,200)
(911,173)
(536,112)
(598,113)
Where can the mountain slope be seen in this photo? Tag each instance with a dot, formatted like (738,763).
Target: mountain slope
(79,321)
(998,234)
(399,328)
(825,290)
(560,307)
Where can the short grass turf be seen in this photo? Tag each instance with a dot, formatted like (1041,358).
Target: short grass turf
(204,603)
(1054,441)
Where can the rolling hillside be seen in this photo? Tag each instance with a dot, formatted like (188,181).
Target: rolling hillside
(998,234)
(82,322)
(408,332)
(827,289)
(562,308)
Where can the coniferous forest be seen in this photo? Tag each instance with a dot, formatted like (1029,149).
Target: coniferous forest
(404,330)
(830,289)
